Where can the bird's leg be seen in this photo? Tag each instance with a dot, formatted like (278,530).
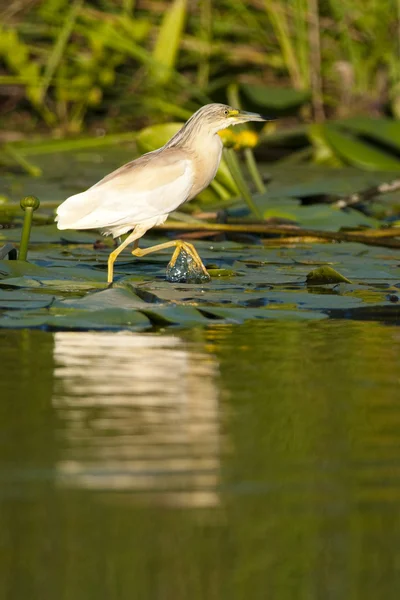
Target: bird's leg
(179,244)
(143,252)
(134,236)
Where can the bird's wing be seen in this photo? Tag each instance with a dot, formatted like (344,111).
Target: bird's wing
(151,186)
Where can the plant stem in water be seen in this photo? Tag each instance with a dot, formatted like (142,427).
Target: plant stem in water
(253,170)
(236,172)
(29,205)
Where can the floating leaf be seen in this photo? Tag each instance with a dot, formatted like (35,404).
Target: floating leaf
(8,251)
(121,298)
(77,319)
(20,300)
(324,275)
(187,316)
(225,273)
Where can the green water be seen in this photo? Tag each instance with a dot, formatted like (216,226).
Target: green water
(251,462)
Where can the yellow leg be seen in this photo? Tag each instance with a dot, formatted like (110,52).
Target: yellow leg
(179,244)
(137,233)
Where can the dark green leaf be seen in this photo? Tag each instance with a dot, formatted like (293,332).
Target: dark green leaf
(324,275)
(358,152)
(275,98)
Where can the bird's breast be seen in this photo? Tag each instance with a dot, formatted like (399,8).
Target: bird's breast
(206,161)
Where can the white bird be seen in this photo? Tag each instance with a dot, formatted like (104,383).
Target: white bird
(142,193)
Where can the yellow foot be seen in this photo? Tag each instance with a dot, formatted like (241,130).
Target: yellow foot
(179,246)
(186,266)
(192,252)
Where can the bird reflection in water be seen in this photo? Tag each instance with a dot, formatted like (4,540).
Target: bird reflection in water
(137,413)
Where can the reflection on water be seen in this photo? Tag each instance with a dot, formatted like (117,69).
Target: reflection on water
(137,412)
(111,468)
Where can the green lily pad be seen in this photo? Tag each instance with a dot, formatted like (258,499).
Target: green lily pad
(64,284)
(21,268)
(120,298)
(21,300)
(27,275)
(324,275)
(221,273)
(8,251)
(74,319)
(187,316)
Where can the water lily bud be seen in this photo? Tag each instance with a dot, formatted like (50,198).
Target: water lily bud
(30,202)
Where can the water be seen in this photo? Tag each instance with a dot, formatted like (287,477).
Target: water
(259,461)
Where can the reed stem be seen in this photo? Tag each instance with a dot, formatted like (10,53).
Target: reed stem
(29,205)
(253,170)
(236,172)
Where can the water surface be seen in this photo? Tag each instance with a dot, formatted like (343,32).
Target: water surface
(259,461)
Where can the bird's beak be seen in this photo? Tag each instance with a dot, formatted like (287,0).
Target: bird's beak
(244,116)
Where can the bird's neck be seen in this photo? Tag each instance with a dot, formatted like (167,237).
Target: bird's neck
(205,143)
(206,153)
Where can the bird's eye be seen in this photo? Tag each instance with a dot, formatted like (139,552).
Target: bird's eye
(226,112)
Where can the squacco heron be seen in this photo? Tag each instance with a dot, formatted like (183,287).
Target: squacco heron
(142,193)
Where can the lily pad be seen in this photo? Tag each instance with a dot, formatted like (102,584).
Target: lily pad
(8,251)
(120,298)
(75,319)
(21,300)
(186,316)
(324,275)
(64,284)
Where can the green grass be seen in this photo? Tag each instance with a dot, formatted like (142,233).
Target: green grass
(71,65)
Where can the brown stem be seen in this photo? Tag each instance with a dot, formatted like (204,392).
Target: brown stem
(291,231)
(315,60)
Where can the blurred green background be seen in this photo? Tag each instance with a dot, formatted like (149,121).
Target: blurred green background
(71,66)
(99,72)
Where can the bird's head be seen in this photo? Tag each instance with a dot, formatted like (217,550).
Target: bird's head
(220,116)
(208,120)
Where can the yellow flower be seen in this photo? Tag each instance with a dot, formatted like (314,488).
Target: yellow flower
(228,138)
(240,140)
(247,139)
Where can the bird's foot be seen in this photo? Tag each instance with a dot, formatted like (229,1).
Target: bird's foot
(186,266)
